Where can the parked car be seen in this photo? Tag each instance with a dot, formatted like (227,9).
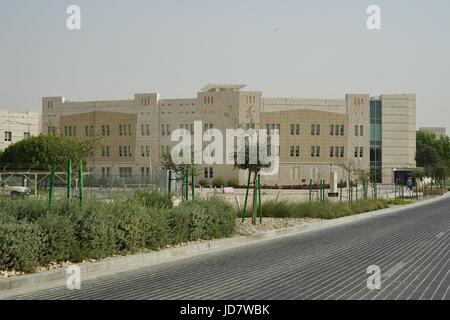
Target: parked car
(15,191)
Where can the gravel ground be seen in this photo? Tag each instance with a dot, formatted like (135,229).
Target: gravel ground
(269,224)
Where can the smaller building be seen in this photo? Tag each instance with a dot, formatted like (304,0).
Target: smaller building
(17,126)
(438,131)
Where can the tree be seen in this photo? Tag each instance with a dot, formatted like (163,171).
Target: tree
(433,154)
(42,151)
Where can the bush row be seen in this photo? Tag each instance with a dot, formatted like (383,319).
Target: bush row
(32,235)
(329,210)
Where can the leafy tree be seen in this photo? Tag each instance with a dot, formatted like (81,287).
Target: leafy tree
(42,151)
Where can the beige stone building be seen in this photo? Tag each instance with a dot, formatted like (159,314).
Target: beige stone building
(317,136)
(17,126)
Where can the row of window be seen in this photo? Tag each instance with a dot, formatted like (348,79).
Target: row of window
(208,100)
(125,172)
(250,99)
(335,151)
(145,101)
(125,151)
(336,130)
(8,136)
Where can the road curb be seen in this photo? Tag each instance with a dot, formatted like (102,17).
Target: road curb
(122,264)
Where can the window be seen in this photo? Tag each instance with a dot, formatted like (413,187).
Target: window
(51,131)
(145,151)
(145,171)
(106,172)
(356,152)
(342,130)
(331,151)
(88,131)
(292,151)
(120,151)
(105,130)
(26,135)
(331,129)
(292,129)
(8,135)
(342,152)
(105,151)
(359,130)
(318,151)
(163,130)
(297,129)
(336,152)
(125,172)
(313,151)
(207,126)
(297,151)
(361,152)
(208,172)
(70,131)
(336,130)
(315,129)
(120,130)
(168,129)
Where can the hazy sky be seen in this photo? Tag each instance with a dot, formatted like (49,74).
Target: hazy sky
(311,49)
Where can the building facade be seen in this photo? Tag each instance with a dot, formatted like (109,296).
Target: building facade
(317,136)
(17,126)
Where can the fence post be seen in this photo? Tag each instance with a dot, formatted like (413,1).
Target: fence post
(81,181)
(193,183)
(186,185)
(246,196)
(259,199)
(52,185)
(169,184)
(69,179)
(310,191)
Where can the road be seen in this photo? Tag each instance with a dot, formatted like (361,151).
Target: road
(411,248)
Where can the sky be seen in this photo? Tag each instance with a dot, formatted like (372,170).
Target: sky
(307,49)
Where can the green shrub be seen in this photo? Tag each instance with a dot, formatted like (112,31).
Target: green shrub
(24,209)
(179,221)
(20,246)
(233,182)
(330,210)
(155,228)
(129,216)
(203,182)
(218,182)
(100,229)
(152,199)
(59,243)
(95,231)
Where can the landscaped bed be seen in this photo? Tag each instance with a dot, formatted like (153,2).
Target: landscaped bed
(33,236)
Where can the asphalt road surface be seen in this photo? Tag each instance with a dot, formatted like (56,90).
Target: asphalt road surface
(411,248)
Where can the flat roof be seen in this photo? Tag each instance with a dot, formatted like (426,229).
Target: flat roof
(222,87)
